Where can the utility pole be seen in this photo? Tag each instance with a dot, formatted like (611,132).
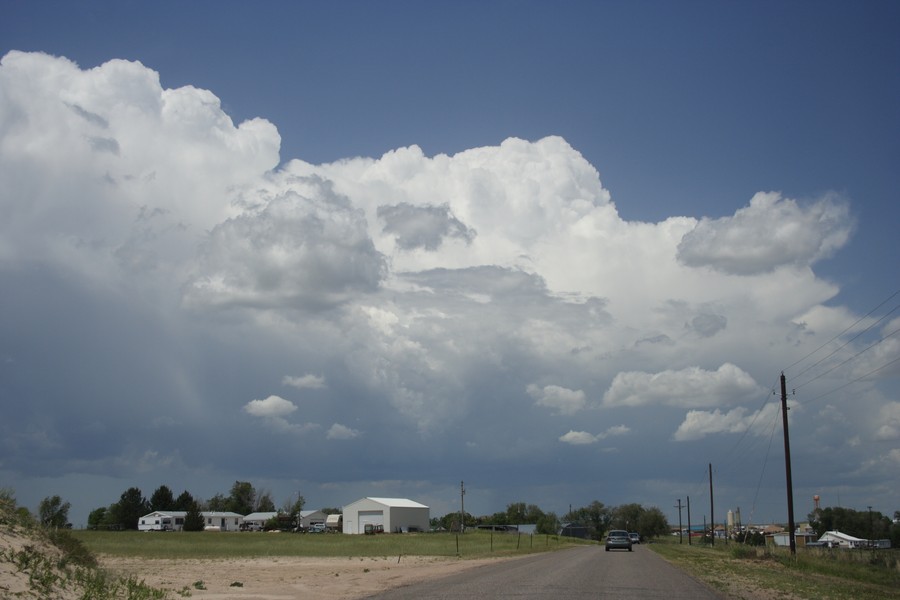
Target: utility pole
(712,518)
(689,520)
(787,466)
(680,529)
(462,507)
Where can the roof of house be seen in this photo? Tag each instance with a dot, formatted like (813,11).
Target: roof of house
(394,502)
(399,502)
(261,516)
(183,513)
(841,536)
(166,513)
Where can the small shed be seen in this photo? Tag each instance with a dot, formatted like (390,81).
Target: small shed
(394,515)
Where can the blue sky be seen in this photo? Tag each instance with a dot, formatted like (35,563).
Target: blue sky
(376,248)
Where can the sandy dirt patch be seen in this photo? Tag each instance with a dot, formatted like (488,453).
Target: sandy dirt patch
(282,578)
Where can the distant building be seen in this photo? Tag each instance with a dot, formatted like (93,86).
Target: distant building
(173,520)
(575,530)
(257,521)
(837,539)
(391,515)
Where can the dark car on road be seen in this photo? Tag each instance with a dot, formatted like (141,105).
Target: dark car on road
(618,539)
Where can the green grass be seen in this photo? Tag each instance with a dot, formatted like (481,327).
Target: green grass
(257,544)
(815,574)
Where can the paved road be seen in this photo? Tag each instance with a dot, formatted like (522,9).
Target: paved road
(586,572)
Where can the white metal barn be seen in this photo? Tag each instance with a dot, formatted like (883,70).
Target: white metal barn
(393,514)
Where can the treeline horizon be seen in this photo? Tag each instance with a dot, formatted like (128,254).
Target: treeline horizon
(594,519)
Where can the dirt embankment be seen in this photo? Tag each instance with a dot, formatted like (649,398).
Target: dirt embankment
(282,578)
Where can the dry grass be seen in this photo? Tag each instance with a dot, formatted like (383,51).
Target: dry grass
(747,573)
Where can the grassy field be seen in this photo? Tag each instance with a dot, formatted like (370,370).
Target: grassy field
(255,544)
(815,574)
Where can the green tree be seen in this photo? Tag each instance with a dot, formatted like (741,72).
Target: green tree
(162,499)
(862,524)
(193,520)
(264,502)
(595,516)
(53,512)
(548,524)
(184,501)
(627,516)
(515,513)
(97,518)
(217,503)
(450,521)
(294,505)
(242,498)
(653,523)
(132,505)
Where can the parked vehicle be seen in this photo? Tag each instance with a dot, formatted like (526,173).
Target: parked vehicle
(618,539)
(317,528)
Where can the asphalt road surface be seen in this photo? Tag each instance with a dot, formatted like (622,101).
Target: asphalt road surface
(586,572)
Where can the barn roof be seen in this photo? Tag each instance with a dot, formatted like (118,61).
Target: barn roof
(397,502)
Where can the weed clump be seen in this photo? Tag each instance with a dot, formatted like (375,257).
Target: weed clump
(49,562)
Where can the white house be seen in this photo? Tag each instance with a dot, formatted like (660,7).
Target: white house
(222,520)
(162,520)
(311,517)
(393,514)
(842,540)
(173,520)
(257,520)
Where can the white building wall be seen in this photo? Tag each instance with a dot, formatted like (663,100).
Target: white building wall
(404,518)
(392,513)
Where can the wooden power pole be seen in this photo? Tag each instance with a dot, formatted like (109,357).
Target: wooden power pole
(787,466)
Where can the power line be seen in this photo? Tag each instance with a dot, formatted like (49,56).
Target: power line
(851,382)
(841,364)
(885,301)
(763,471)
(839,348)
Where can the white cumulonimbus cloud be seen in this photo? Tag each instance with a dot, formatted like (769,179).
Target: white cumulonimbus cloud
(563,400)
(698,424)
(427,291)
(341,432)
(688,388)
(581,438)
(771,232)
(273,406)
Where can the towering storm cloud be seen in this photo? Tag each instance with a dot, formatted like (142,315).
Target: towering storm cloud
(179,299)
